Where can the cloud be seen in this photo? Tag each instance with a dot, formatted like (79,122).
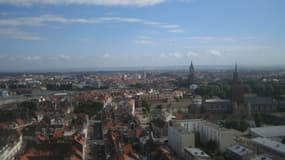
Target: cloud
(144,40)
(106,55)
(215,53)
(44,19)
(139,3)
(191,54)
(172,55)
(176,30)
(4,13)
(18,34)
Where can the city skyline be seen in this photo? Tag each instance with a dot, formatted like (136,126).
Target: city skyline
(139,33)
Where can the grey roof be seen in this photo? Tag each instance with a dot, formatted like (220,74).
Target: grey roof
(217,100)
(276,146)
(269,131)
(240,150)
(262,157)
(196,152)
(258,100)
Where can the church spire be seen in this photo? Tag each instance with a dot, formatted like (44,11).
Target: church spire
(235,76)
(191,73)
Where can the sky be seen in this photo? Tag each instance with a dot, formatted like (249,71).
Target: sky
(63,34)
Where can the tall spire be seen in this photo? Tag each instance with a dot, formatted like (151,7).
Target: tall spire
(235,76)
(191,73)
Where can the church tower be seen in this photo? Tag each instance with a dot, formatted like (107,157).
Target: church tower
(237,87)
(191,74)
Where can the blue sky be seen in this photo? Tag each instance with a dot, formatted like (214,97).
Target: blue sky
(51,34)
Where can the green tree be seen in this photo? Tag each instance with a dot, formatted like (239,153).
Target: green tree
(257,120)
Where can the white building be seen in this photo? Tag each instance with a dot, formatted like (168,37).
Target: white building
(210,132)
(179,138)
(195,154)
(9,151)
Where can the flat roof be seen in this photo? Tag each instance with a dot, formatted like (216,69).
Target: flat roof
(277,146)
(269,131)
(262,157)
(217,100)
(181,129)
(196,152)
(240,150)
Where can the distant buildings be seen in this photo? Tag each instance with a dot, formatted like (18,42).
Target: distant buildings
(4,93)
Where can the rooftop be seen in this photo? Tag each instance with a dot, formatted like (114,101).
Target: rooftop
(180,129)
(196,152)
(240,150)
(270,131)
(261,157)
(277,146)
(217,100)
(258,100)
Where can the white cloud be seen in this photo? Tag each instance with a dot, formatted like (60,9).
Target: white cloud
(176,30)
(4,13)
(172,55)
(106,55)
(215,53)
(44,19)
(144,40)
(18,34)
(191,54)
(139,3)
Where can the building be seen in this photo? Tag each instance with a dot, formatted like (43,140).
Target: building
(179,138)
(217,105)
(10,144)
(195,154)
(208,131)
(266,145)
(273,132)
(238,152)
(191,74)
(262,157)
(257,104)
(4,93)
(237,88)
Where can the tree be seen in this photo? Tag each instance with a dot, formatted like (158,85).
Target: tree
(257,120)
(89,107)
(283,141)
(212,145)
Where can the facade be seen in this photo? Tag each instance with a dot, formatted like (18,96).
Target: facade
(9,151)
(217,105)
(238,152)
(4,93)
(195,154)
(208,131)
(259,104)
(179,138)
